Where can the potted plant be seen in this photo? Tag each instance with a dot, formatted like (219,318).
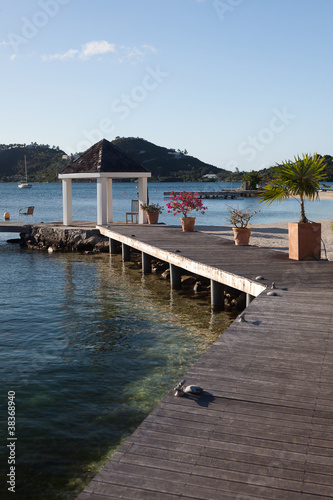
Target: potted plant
(184,203)
(153,210)
(299,179)
(240,220)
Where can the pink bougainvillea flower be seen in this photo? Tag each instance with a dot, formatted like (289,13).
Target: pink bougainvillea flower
(184,203)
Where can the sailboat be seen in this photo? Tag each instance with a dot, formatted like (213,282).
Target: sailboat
(25,185)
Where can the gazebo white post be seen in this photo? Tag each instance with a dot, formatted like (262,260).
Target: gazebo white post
(67,202)
(101,201)
(143,198)
(109,200)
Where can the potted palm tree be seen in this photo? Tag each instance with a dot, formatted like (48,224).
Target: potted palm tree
(299,179)
(153,210)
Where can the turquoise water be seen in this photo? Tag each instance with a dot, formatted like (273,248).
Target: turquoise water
(88,344)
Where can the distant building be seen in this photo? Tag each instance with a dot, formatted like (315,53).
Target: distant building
(70,157)
(209,176)
(175,154)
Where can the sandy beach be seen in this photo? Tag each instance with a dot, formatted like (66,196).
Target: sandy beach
(326,195)
(275,235)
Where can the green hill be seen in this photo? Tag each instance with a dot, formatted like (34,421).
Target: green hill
(329,167)
(43,162)
(167,164)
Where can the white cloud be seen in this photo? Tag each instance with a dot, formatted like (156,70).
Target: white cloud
(61,57)
(102,47)
(96,48)
(135,54)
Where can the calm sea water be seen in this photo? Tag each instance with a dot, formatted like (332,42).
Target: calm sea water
(88,344)
(47,199)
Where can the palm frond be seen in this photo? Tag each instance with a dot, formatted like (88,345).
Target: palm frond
(299,178)
(273,191)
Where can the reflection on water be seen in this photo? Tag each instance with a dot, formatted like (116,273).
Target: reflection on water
(90,346)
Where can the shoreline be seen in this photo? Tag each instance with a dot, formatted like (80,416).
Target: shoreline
(325,195)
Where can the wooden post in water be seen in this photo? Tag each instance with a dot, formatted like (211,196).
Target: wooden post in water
(175,277)
(216,296)
(146,263)
(249,299)
(126,252)
(113,246)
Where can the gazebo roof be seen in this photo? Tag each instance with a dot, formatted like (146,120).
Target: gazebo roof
(104,158)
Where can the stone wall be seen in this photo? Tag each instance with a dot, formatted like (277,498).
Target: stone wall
(55,239)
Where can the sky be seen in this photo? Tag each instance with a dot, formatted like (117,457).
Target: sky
(239,84)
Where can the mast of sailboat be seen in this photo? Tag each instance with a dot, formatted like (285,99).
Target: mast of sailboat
(25,167)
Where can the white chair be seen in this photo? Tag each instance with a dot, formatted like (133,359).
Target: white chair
(28,211)
(134,212)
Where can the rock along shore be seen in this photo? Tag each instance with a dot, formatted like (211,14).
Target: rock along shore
(54,239)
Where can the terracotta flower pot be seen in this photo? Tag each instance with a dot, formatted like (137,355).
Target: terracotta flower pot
(304,240)
(242,235)
(152,217)
(188,223)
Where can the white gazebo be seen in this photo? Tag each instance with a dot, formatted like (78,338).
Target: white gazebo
(103,162)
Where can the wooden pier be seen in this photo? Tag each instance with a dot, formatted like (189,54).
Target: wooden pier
(263,428)
(14,227)
(222,194)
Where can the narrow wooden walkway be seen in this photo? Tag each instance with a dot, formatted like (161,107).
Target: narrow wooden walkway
(263,429)
(224,193)
(14,227)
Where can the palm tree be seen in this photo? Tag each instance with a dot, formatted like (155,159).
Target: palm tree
(253,178)
(295,179)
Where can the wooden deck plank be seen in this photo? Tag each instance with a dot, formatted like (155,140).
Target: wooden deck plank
(264,425)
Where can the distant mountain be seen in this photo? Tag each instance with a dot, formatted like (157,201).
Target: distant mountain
(167,164)
(43,162)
